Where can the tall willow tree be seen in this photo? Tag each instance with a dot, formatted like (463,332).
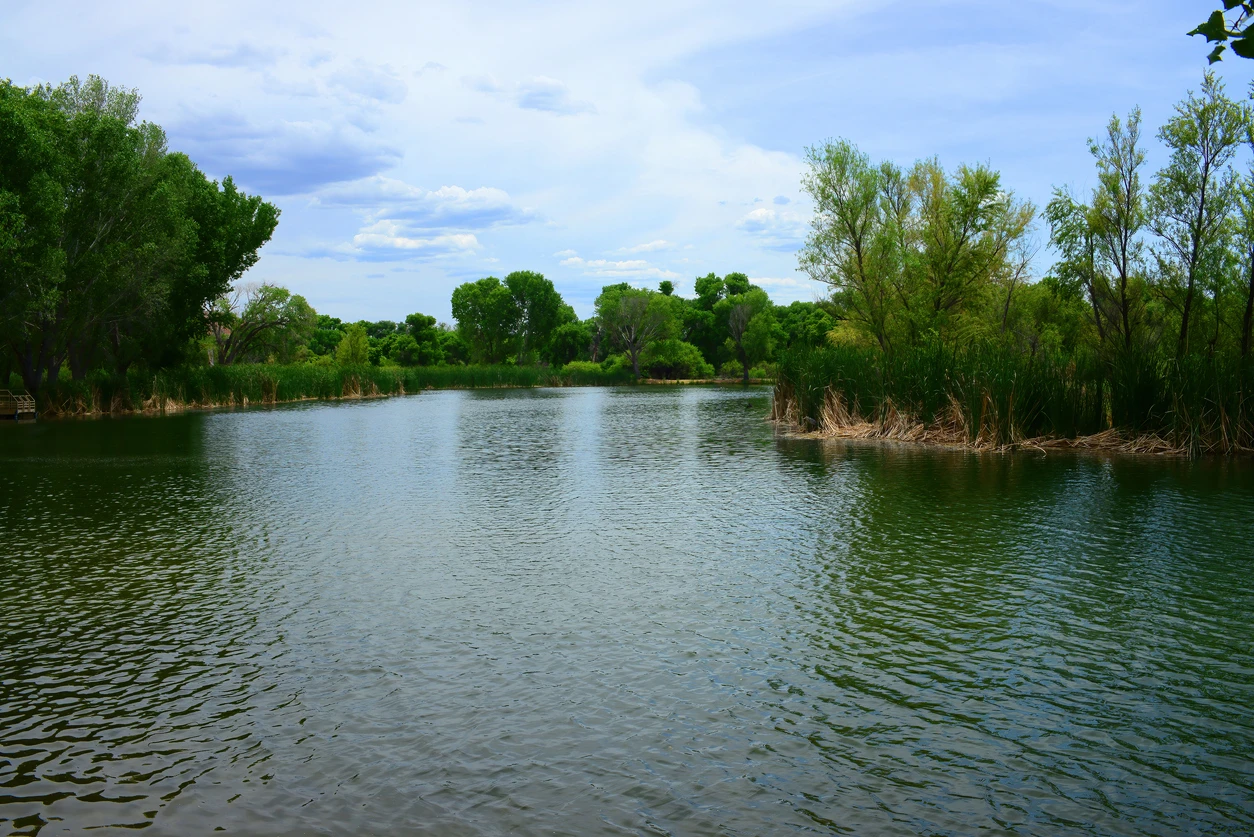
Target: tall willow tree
(910,256)
(1119,218)
(855,240)
(1243,235)
(1194,195)
(1073,233)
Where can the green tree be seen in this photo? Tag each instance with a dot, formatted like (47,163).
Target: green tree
(1193,196)
(851,240)
(673,359)
(354,347)
(289,342)
(1243,235)
(1119,215)
(122,246)
(32,209)
(968,227)
(455,349)
(425,332)
(700,327)
(327,333)
(804,324)
(751,327)
(251,315)
(487,316)
(538,309)
(634,318)
(1073,233)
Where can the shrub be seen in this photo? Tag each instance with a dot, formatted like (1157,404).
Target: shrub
(674,359)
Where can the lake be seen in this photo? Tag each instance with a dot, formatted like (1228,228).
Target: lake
(612,611)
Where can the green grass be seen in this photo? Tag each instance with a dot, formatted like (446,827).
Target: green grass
(1199,404)
(265,383)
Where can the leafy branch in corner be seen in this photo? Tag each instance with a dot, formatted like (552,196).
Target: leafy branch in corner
(1239,34)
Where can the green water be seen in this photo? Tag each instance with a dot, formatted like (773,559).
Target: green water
(612,611)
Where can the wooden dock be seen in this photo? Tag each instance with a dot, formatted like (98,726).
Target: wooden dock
(16,407)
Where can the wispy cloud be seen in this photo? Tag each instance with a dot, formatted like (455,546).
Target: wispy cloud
(445,208)
(629,269)
(650,247)
(537,93)
(279,157)
(549,94)
(385,241)
(774,229)
(373,83)
(237,55)
(785,289)
(402,221)
(481,83)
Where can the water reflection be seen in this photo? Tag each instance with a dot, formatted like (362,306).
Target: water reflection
(595,611)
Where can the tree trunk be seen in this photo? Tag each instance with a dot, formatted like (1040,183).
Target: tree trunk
(1097,314)
(30,361)
(744,362)
(54,367)
(1249,310)
(1124,305)
(1183,344)
(78,360)
(635,363)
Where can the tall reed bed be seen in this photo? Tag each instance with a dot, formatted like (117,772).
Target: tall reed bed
(244,384)
(987,397)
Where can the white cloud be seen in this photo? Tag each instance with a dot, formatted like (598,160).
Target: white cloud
(774,229)
(449,207)
(631,269)
(388,234)
(409,221)
(386,241)
(650,247)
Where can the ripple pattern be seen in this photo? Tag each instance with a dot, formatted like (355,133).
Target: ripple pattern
(612,612)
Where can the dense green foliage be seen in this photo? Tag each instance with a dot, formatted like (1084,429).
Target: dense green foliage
(113,250)
(1142,325)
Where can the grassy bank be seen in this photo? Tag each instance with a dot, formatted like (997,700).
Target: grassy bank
(988,397)
(241,385)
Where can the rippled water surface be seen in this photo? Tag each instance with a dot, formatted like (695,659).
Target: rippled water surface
(612,612)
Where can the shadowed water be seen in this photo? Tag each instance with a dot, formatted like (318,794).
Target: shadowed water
(616,611)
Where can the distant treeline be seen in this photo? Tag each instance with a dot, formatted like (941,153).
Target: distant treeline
(117,255)
(730,327)
(1143,325)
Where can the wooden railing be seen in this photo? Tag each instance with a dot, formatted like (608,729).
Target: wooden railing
(16,406)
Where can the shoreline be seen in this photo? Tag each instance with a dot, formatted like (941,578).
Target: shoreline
(160,405)
(1111,441)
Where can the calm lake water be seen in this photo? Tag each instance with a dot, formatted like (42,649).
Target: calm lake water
(612,611)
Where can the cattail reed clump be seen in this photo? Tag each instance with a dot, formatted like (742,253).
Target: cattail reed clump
(991,397)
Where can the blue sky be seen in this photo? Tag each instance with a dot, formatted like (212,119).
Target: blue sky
(415,146)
